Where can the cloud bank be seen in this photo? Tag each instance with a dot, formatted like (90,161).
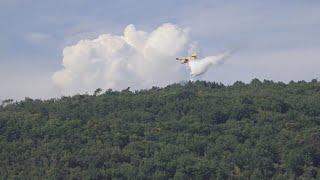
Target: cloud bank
(136,59)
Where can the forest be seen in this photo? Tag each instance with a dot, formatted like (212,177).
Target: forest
(191,130)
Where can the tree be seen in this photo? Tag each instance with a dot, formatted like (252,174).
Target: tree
(97,92)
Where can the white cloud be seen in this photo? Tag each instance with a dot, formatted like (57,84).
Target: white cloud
(137,59)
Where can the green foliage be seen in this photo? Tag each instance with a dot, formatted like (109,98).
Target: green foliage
(199,130)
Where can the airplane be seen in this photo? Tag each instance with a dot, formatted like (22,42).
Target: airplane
(184,60)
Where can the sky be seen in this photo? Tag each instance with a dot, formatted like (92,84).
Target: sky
(277,40)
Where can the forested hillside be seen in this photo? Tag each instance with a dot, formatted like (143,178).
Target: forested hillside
(197,130)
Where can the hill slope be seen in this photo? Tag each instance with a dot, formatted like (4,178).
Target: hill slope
(199,130)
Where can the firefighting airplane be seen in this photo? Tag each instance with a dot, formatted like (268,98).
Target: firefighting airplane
(185,60)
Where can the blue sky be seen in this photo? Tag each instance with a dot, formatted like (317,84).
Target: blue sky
(278,40)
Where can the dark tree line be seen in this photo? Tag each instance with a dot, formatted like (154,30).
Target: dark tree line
(198,130)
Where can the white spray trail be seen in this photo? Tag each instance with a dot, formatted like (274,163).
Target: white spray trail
(201,66)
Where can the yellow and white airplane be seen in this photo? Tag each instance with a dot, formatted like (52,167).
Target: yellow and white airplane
(184,60)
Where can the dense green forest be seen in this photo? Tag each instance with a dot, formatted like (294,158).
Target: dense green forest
(195,130)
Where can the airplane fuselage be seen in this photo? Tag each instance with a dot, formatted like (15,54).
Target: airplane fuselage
(184,60)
